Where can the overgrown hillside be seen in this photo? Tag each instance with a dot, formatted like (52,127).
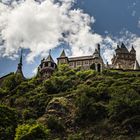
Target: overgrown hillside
(71,105)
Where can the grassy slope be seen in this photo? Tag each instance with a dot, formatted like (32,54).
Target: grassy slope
(77,104)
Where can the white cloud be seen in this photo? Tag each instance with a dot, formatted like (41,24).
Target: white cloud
(40,27)
(44,26)
(108,45)
(35,71)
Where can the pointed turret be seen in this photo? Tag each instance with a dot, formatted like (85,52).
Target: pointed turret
(136,66)
(118,49)
(133,51)
(49,58)
(63,54)
(63,59)
(19,68)
(124,49)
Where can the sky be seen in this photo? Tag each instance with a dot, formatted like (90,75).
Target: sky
(75,25)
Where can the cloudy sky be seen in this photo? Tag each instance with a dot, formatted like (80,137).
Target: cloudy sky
(76,25)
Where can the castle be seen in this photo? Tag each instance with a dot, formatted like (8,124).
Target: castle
(122,60)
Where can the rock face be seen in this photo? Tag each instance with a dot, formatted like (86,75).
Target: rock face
(62,109)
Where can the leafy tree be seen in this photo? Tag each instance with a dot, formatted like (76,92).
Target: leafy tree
(12,81)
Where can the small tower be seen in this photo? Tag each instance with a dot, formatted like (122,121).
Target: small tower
(63,59)
(98,64)
(96,53)
(47,67)
(133,51)
(19,67)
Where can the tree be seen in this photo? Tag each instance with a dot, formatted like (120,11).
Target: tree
(8,122)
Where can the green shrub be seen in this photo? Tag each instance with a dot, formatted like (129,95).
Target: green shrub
(55,125)
(75,137)
(31,132)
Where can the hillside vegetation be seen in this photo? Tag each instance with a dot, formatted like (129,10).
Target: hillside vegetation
(71,105)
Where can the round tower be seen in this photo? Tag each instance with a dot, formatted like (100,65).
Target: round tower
(47,67)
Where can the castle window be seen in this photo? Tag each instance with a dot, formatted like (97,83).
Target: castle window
(86,62)
(52,65)
(79,63)
(62,61)
(71,63)
(46,64)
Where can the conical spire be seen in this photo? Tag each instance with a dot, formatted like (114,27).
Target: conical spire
(63,54)
(21,57)
(124,49)
(19,68)
(49,58)
(132,50)
(118,47)
(136,66)
(122,45)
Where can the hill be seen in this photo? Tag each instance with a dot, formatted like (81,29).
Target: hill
(71,105)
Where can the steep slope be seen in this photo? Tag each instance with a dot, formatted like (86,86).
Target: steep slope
(73,105)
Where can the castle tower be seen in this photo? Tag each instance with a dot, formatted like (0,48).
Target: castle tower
(98,63)
(19,67)
(47,67)
(63,59)
(124,59)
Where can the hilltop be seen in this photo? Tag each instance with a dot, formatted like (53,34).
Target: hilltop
(72,104)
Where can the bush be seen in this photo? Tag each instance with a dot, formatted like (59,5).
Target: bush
(58,84)
(12,81)
(88,108)
(2,93)
(75,137)
(31,132)
(85,74)
(55,125)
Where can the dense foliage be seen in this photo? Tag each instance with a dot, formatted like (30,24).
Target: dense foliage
(72,104)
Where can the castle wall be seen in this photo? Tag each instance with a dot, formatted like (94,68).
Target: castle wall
(124,64)
(86,64)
